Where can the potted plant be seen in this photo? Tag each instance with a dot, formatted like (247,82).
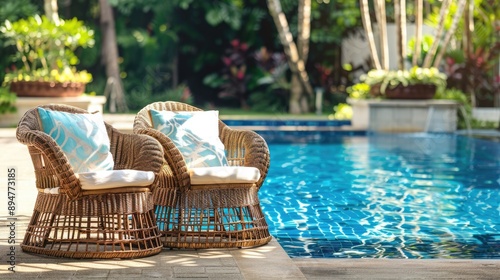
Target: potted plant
(44,64)
(415,83)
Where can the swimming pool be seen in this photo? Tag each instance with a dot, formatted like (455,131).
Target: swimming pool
(385,196)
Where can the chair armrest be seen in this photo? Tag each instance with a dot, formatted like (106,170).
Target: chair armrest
(247,148)
(172,156)
(47,146)
(137,152)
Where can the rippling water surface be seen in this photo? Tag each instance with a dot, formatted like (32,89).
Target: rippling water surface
(392,196)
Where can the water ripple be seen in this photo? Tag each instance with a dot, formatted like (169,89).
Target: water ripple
(409,196)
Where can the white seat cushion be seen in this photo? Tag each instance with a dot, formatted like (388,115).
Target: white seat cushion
(223,175)
(115,179)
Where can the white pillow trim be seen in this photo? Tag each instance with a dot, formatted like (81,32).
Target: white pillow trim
(223,175)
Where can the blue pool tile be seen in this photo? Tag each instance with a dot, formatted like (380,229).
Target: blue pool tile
(376,196)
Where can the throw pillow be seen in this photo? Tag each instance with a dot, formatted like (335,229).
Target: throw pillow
(82,137)
(195,134)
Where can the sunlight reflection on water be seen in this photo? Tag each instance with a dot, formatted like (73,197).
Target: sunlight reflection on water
(385,196)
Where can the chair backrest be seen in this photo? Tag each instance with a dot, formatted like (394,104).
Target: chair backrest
(40,146)
(256,152)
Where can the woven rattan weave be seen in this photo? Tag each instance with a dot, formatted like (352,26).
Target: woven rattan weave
(117,223)
(208,216)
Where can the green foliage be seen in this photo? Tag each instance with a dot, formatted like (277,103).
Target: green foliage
(46,50)
(425,46)
(341,112)
(270,89)
(456,95)
(263,87)
(139,99)
(12,11)
(416,75)
(224,13)
(182,41)
(7,101)
(333,20)
(269,84)
(359,91)
(64,75)
(486,13)
(474,73)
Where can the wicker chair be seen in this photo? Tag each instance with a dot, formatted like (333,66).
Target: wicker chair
(196,216)
(101,223)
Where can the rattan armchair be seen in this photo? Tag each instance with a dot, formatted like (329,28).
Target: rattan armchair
(81,223)
(216,215)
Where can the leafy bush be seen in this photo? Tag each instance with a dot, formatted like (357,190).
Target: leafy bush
(138,99)
(7,101)
(416,75)
(45,50)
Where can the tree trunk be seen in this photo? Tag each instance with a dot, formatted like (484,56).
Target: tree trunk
(304,29)
(367,25)
(469,27)
(382,26)
(51,10)
(449,33)
(109,52)
(402,7)
(418,31)
(304,32)
(432,51)
(398,17)
(296,64)
(295,95)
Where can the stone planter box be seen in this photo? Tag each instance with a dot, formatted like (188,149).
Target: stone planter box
(360,113)
(405,115)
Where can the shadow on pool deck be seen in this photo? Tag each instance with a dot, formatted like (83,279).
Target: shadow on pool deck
(265,262)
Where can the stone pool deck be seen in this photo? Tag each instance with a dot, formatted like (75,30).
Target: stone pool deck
(265,262)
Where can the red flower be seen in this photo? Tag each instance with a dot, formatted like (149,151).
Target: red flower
(244,46)
(227,61)
(241,74)
(235,43)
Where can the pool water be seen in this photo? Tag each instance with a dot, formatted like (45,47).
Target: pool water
(385,196)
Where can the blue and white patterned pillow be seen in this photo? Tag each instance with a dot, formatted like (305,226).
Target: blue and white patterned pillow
(82,137)
(195,134)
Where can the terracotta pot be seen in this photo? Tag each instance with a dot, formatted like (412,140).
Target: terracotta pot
(420,91)
(47,89)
